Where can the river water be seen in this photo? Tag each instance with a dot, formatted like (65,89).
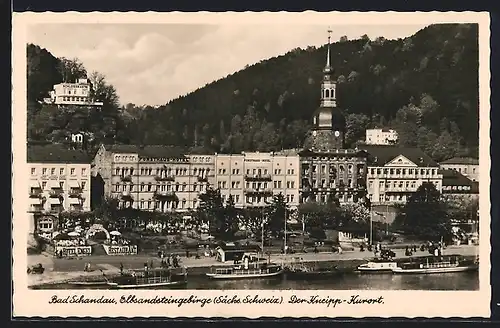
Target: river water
(346,281)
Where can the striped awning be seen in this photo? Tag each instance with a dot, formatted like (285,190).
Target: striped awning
(74,201)
(73,184)
(54,201)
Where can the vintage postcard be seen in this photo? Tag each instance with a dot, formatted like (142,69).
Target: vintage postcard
(251,164)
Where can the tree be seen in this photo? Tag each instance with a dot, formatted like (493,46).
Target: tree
(72,69)
(211,211)
(277,213)
(107,210)
(102,91)
(319,216)
(424,215)
(354,215)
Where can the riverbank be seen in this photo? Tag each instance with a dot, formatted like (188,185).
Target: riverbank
(59,271)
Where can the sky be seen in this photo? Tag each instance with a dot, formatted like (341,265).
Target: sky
(151,64)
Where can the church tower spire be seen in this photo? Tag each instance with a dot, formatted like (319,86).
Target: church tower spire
(328,85)
(328,121)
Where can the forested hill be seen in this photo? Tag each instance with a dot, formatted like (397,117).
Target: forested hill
(425,86)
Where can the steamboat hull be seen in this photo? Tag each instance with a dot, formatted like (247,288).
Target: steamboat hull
(435,270)
(232,276)
(160,285)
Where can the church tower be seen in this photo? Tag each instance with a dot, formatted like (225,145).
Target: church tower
(328,121)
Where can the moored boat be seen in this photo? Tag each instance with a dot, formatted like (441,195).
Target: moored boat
(150,278)
(378,266)
(252,271)
(436,264)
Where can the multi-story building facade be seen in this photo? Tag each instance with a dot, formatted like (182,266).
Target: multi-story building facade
(381,137)
(458,185)
(60,180)
(395,173)
(328,171)
(252,179)
(77,94)
(153,178)
(466,166)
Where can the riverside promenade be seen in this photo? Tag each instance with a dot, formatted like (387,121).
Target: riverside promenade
(64,270)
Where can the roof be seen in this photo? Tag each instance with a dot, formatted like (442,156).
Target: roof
(462,161)
(151,151)
(56,153)
(454,178)
(383,154)
(238,248)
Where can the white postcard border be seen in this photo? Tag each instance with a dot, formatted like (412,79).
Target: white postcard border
(32,303)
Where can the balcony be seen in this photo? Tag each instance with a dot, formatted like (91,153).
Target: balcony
(164,178)
(75,193)
(125,195)
(162,194)
(126,178)
(258,177)
(36,193)
(262,191)
(56,192)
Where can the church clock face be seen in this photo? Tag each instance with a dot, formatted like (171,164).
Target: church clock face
(337,133)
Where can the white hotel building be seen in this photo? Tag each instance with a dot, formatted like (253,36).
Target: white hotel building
(59,180)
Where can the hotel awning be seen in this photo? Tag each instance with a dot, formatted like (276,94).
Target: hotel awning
(54,201)
(74,201)
(34,184)
(73,184)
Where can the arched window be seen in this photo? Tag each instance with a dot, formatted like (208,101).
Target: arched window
(327,93)
(117,171)
(333,93)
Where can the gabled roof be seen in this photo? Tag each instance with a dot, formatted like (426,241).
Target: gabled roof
(461,161)
(150,151)
(383,154)
(56,153)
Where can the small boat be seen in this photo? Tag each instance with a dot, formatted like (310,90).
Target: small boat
(304,271)
(150,278)
(252,271)
(436,264)
(378,265)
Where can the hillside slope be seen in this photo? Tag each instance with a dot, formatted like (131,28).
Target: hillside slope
(425,86)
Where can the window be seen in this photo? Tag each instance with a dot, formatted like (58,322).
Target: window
(72,171)
(52,171)
(61,171)
(61,185)
(44,171)
(292,184)
(84,171)
(83,184)
(33,171)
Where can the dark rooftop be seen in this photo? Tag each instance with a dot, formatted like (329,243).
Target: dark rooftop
(461,161)
(150,151)
(454,178)
(55,153)
(382,154)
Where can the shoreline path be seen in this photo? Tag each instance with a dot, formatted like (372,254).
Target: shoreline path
(61,270)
